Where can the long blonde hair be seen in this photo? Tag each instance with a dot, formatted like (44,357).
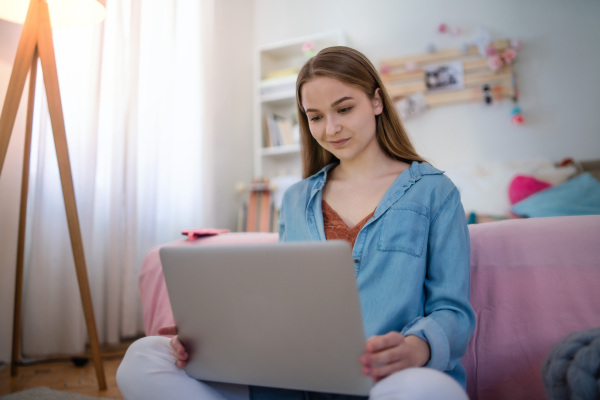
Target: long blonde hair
(350,67)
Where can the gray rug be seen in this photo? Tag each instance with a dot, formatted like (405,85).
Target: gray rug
(47,394)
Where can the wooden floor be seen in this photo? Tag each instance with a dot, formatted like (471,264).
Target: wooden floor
(64,375)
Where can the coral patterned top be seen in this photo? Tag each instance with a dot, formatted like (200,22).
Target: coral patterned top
(336,228)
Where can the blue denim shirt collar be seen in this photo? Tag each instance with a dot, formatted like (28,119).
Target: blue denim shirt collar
(404,181)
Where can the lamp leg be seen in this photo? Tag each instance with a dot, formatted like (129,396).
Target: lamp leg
(25,58)
(46,50)
(16,338)
(16,84)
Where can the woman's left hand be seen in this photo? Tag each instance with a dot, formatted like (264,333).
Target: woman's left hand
(392,352)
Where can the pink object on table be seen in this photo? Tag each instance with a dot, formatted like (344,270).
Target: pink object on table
(196,233)
(523,186)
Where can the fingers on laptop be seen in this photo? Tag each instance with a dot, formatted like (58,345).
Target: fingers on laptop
(179,352)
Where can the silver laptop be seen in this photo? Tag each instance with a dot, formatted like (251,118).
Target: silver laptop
(283,315)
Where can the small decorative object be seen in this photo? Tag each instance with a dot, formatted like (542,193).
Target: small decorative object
(497,93)
(491,51)
(385,69)
(517,116)
(444,76)
(411,105)
(487,96)
(444,28)
(482,40)
(509,55)
(308,49)
(495,62)
(411,66)
(515,88)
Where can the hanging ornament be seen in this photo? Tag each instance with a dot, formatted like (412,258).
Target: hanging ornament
(516,113)
(444,28)
(497,93)
(487,95)
(517,116)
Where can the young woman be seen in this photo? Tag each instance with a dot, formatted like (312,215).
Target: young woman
(363,182)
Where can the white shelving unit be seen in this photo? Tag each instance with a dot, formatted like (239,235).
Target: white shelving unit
(276,67)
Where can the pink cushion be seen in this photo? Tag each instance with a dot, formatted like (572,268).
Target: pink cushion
(523,186)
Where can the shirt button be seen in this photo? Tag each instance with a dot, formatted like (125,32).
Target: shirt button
(356,261)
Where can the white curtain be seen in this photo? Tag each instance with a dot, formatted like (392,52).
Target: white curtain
(132,95)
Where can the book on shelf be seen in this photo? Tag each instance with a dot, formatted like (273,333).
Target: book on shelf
(280,131)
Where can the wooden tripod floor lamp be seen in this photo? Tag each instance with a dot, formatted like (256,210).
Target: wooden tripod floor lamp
(36,43)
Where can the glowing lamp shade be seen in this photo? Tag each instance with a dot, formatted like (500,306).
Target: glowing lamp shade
(62,12)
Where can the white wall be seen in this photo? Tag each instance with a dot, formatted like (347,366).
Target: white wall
(557,68)
(229,109)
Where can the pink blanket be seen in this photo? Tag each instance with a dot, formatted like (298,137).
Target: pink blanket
(533,282)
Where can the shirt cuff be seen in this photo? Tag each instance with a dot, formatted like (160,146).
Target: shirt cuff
(430,331)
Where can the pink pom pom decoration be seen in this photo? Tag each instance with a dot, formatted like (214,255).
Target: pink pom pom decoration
(494,62)
(518,119)
(491,51)
(509,55)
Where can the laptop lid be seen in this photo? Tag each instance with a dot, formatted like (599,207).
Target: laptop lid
(283,315)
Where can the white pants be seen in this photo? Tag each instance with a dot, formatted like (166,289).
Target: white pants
(148,371)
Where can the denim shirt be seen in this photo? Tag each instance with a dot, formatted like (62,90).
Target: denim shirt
(412,262)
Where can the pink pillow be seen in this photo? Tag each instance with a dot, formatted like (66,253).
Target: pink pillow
(523,186)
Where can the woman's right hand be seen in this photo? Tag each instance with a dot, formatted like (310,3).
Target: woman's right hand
(179,352)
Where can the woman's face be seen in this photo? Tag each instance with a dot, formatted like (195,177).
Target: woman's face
(341,117)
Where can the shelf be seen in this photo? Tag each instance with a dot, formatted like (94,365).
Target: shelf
(279,88)
(280,150)
(276,68)
(278,96)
